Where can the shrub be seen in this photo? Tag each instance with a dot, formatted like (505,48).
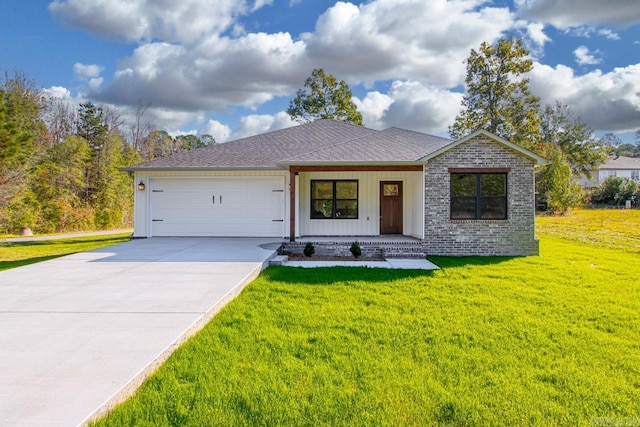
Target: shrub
(309,249)
(355,249)
(615,189)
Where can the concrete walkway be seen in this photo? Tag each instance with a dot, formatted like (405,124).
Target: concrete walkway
(79,333)
(392,263)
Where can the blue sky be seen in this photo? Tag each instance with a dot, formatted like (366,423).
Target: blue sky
(229,67)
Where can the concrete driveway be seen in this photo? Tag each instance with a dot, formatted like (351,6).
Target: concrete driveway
(79,333)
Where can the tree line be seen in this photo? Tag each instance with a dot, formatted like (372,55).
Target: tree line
(60,163)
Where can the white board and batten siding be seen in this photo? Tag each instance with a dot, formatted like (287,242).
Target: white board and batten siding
(212,206)
(368,222)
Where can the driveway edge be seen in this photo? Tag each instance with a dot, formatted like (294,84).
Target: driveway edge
(134,383)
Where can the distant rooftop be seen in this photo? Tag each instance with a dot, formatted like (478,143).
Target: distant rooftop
(621,162)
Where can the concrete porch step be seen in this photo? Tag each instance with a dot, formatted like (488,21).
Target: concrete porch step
(413,254)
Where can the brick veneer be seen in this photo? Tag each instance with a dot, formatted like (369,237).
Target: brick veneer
(514,236)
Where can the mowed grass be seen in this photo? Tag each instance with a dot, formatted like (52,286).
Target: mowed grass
(549,340)
(608,228)
(16,254)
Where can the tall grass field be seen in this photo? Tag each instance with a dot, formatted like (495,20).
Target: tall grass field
(543,340)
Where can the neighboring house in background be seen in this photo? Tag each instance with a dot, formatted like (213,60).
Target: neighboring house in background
(329,178)
(624,167)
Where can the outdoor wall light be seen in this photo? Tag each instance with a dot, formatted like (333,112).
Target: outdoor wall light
(141,186)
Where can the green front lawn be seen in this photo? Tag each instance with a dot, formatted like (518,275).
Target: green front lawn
(549,340)
(16,254)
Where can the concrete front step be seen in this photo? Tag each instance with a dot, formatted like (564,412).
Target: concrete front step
(417,255)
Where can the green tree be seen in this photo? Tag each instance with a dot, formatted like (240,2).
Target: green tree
(58,183)
(21,136)
(323,97)
(498,97)
(556,183)
(575,139)
(615,189)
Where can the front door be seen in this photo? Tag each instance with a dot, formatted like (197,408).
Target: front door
(390,207)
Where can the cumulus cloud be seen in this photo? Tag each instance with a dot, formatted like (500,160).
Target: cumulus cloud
(182,21)
(585,57)
(411,105)
(83,71)
(246,71)
(535,33)
(260,123)
(57,92)
(249,125)
(573,13)
(381,40)
(416,39)
(608,101)
(219,131)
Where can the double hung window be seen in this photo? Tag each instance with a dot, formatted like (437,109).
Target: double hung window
(480,196)
(333,199)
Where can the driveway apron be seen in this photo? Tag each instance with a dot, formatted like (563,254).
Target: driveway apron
(80,333)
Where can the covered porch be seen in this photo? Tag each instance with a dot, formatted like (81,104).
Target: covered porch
(356,202)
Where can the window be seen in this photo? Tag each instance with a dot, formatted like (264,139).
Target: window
(635,175)
(478,196)
(334,199)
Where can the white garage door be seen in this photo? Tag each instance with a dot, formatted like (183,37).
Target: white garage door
(234,206)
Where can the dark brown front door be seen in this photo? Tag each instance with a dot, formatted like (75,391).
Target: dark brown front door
(390,207)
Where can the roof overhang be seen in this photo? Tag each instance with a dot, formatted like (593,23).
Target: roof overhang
(196,169)
(537,159)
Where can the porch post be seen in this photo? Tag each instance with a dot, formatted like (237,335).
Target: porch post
(292,206)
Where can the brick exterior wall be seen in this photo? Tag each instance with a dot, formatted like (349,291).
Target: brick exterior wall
(514,236)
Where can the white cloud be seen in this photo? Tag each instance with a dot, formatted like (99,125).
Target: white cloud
(95,83)
(572,13)
(219,131)
(256,124)
(219,72)
(605,101)
(373,108)
(192,68)
(411,105)
(585,57)
(182,21)
(535,32)
(58,92)
(605,32)
(416,39)
(83,71)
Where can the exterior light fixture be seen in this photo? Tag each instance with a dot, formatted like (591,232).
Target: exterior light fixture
(141,186)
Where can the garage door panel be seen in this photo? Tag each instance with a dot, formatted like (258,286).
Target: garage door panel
(242,207)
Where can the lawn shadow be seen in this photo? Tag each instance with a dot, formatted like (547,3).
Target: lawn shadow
(7,265)
(54,242)
(331,275)
(445,262)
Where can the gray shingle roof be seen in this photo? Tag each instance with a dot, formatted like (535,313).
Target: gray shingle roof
(621,162)
(319,141)
(390,145)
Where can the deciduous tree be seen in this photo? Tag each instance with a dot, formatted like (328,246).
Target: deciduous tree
(580,148)
(323,97)
(498,97)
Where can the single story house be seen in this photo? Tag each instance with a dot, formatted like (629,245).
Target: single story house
(625,167)
(473,196)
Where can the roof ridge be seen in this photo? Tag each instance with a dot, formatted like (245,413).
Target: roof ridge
(417,132)
(317,150)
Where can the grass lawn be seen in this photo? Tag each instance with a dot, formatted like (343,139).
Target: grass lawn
(549,340)
(16,254)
